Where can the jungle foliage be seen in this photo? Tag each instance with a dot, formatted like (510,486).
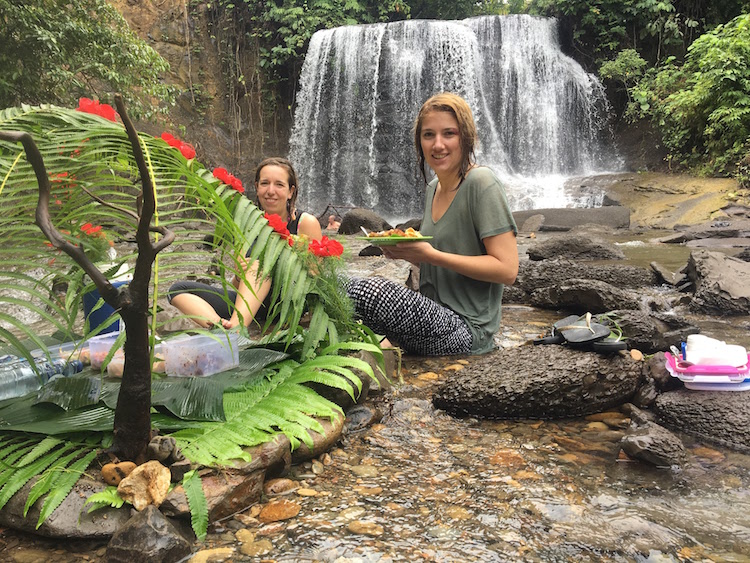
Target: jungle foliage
(54,51)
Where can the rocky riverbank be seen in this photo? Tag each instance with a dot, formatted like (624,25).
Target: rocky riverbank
(571,418)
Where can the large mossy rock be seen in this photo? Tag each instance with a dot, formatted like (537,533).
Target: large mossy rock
(550,381)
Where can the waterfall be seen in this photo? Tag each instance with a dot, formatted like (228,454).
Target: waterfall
(541,118)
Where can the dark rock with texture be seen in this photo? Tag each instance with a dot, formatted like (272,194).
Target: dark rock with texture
(147,536)
(584,296)
(358,217)
(720,281)
(651,332)
(545,273)
(718,417)
(575,247)
(654,444)
(539,382)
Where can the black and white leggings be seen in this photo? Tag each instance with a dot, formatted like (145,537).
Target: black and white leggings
(416,323)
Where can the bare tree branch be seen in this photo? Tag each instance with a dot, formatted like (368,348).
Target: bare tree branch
(146,250)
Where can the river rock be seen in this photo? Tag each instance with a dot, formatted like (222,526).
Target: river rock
(352,222)
(147,484)
(321,441)
(574,246)
(718,417)
(539,382)
(652,332)
(147,536)
(720,281)
(227,491)
(71,520)
(549,273)
(654,444)
(564,219)
(585,295)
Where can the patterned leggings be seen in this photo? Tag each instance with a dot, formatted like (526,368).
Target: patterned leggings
(417,323)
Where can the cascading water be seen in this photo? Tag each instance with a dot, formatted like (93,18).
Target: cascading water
(541,117)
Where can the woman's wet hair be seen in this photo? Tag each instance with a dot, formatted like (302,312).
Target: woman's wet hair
(467,129)
(292,179)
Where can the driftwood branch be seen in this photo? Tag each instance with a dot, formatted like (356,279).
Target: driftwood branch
(146,250)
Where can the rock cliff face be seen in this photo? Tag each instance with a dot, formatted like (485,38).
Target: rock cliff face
(220,116)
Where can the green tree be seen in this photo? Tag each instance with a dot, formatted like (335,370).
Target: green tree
(703,107)
(54,51)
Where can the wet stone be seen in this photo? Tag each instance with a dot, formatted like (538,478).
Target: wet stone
(279,486)
(212,555)
(365,528)
(254,549)
(279,510)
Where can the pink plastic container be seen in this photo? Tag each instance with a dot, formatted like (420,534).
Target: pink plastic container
(710,375)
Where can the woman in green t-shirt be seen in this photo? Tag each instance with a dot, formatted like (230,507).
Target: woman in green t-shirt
(471,256)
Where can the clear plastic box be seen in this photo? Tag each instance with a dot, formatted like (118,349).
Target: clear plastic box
(117,365)
(99,347)
(200,355)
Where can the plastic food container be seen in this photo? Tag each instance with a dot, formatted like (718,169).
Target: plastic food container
(117,365)
(200,355)
(709,377)
(99,347)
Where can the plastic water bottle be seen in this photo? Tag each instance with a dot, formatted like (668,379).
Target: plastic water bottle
(17,377)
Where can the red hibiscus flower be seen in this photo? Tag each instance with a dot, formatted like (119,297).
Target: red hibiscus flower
(106,111)
(229,179)
(186,149)
(277,224)
(326,247)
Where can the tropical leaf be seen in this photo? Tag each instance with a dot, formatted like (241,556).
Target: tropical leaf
(102,499)
(196,499)
(19,476)
(67,478)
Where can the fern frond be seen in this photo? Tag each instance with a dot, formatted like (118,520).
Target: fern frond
(20,476)
(196,499)
(63,485)
(102,499)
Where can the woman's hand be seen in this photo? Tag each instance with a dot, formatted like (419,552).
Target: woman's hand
(499,265)
(414,252)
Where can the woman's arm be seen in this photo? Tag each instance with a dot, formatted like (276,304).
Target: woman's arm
(499,265)
(251,291)
(309,226)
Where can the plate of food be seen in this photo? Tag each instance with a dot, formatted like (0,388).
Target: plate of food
(394,236)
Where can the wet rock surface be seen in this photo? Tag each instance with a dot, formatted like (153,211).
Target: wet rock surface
(539,382)
(148,536)
(718,417)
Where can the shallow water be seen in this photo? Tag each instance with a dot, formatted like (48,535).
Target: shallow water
(423,486)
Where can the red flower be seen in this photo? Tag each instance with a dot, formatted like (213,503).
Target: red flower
(221,174)
(90,230)
(106,111)
(228,179)
(186,149)
(278,224)
(326,247)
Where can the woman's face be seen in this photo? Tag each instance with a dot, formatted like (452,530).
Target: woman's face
(273,190)
(441,142)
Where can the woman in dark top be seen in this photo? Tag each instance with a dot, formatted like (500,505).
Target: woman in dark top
(276,186)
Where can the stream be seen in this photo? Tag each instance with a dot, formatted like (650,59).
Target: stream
(422,486)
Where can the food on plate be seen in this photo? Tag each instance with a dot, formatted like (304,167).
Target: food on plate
(408,233)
